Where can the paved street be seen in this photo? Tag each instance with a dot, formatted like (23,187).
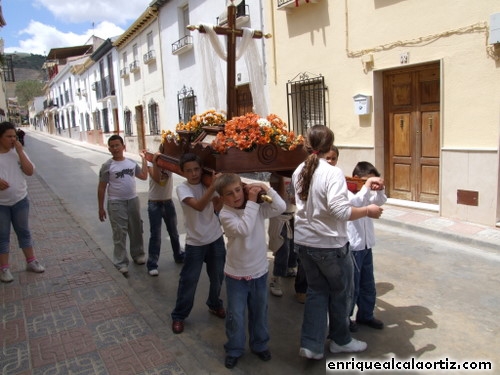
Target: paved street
(437,282)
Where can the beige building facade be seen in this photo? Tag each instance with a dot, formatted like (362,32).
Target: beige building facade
(141,81)
(411,86)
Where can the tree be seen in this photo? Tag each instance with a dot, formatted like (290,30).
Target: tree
(27,90)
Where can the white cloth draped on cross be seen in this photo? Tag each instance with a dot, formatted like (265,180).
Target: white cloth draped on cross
(211,49)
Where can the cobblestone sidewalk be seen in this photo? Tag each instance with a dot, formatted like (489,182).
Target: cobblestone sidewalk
(76,317)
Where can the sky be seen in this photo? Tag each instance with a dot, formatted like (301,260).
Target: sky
(37,26)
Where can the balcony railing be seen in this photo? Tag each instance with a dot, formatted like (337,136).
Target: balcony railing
(96,86)
(104,88)
(49,103)
(242,16)
(134,66)
(149,57)
(289,5)
(182,45)
(124,72)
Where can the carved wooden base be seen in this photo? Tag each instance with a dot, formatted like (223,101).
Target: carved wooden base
(264,158)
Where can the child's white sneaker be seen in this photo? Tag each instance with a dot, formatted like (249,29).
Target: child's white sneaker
(352,347)
(6,276)
(153,272)
(275,287)
(306,353)
(35,266)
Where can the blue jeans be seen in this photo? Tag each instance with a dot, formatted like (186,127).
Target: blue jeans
(330,283)
(240,295)
(158,211)
(300,284)
(364,284)
(285,257)
(16,214)
(214,255)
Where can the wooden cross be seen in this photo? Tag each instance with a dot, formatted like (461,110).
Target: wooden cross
(232,33)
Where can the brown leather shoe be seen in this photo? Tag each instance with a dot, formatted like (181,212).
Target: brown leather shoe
(264,355)
(300,297)
(177,326)
(373,323)
(220,312)
(230,362)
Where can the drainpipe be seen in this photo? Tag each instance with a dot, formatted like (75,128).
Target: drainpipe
(275,71)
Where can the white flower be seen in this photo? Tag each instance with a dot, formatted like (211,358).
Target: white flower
(263,122)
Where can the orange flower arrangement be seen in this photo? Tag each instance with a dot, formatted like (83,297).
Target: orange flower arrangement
(197,122)
(246,132)
(169,136)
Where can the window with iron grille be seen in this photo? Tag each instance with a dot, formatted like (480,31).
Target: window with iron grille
(153,117)
(105,120)
(97,120)
(128,122)
(110,77)
(87,121)
(73,119)
(306,102)
(186,102)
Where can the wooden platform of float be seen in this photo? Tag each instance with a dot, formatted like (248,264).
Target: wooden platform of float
(262,158)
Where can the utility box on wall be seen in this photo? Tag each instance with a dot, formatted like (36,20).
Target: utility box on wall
(362,104)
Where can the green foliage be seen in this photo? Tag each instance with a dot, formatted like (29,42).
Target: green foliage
(28,61)
(27,90)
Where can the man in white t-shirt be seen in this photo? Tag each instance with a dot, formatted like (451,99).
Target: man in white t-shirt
(117,175)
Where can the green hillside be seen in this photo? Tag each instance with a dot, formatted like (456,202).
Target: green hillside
(27,61)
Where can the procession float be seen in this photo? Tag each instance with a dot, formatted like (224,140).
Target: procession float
(243,144)
(236,143)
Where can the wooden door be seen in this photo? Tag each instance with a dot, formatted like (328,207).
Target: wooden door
(411,117)
(116,121)
(139,120)
(244,101)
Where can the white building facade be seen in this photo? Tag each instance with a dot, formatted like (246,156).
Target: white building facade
(187,91)
(141,81)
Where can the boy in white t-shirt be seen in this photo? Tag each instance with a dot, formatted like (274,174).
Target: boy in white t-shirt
(361,234)
(204,242)
(118,175)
